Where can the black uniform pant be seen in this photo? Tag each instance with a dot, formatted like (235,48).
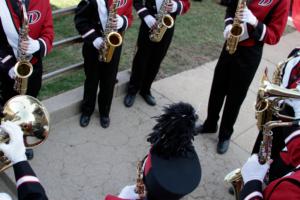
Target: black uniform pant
(147,60)
(232,78)
(277,168)
(7,84)
(99,74)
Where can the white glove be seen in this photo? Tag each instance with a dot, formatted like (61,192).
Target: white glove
(15,149)
(150,21)
(98,42)
(247,16)
(120,21)
(33,46)
(227,31)
(12,74)
(174,7)
(253,170)
(129,193)
(4,196)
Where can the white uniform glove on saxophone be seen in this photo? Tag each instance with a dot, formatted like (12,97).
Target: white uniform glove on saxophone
(247,16)
(4,196)
(128,192)
(33,46)
(98,42)
(15,149)
(150,21)
(174,6)
(227,31)
(120,21)
(253,170)
(12,75)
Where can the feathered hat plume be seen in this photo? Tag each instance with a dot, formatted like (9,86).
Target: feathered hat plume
(174,131)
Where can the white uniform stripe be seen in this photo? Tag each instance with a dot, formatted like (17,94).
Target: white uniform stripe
(228,19)
(103,13)
(9,27)
(141,10)
(181,8)
(88,33)
(7,58)
(45,45)
(263,33)
(253,194)
(126,19)
(26,179)
(296,133)
(287,71)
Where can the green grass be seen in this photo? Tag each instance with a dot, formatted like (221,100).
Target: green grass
(198,39)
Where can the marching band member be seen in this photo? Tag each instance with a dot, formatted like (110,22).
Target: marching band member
(171,169)
(37,45)
(286,187)
(90,20)
(290,80)
(264,22)
(149,55)
(28,185)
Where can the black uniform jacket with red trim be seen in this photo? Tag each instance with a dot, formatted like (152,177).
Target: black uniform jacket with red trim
(148,7)
(287,187)
(272,18)
(28,185)
(87,18)
(40,26)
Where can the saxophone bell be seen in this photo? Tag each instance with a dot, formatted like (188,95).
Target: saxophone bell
(114,39)
(158,32)
(236,31)
(235,34)
(23,70)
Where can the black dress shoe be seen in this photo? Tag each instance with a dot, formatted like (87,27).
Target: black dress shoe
(202,129)
(129,100)
(150,100)
(84,120)
(223,146)
(29,154)
(104,122)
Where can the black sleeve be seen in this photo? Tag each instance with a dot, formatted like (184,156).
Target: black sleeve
(28,185)
(252,189)
(140,8)
(84,22)
(230,12)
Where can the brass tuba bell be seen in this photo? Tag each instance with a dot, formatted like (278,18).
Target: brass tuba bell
(33,118)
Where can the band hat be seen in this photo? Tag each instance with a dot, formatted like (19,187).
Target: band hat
(172,169)
(172,178)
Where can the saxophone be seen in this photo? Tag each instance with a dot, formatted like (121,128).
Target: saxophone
(23,68)
(140,186)
(236,31)
(164,22)
(267,104)
(112,38)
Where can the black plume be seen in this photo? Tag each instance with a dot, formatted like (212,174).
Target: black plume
(174,131)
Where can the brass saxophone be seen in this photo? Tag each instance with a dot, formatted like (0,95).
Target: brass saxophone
(267,104)
(164,22)
(23,68)
(112,38)
(236,31)
(140,186)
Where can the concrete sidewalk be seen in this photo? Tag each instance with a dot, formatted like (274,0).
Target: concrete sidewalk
(88,163)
